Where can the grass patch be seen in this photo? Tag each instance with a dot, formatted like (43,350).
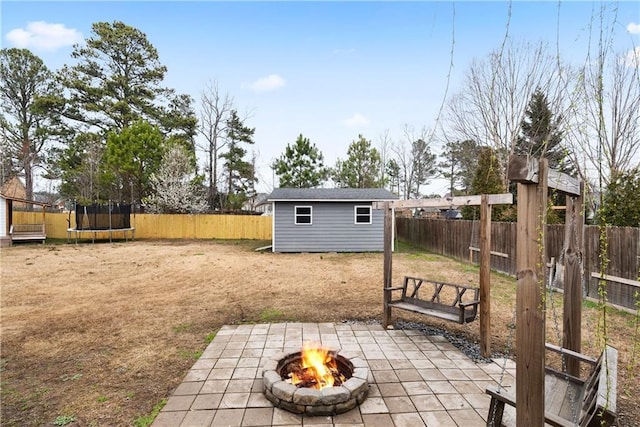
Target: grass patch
(63,420)
(271,315)
(146,420)
(210,337)
(186,354)
(183,327)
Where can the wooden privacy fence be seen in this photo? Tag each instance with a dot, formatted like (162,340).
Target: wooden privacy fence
(455,237)
(152,226)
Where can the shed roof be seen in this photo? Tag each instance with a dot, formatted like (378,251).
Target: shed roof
(331,194)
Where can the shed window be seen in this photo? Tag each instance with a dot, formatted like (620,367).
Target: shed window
(363,214)
(303,215)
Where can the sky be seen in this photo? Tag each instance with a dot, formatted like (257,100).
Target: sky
(330,70)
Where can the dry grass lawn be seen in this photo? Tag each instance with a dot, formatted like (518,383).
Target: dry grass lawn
(103,333)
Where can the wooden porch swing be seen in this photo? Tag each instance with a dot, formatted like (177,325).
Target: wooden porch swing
(544,395)
(447,301)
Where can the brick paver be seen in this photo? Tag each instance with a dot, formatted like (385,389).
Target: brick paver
(415,380)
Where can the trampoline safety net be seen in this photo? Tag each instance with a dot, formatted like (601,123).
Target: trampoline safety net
(103,217)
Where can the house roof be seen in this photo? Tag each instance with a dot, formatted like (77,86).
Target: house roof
(331,194)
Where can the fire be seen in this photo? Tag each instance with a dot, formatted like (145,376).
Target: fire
(318,369)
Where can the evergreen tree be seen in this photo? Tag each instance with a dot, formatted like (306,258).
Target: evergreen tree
(393,174)
(131,157)
(361,169)
(459,165)
(301,165)
(487,180)
(240,173)
(540,134)
(81,168)
(621,204)
(423,166)
(30,119)
(115,85)
(117,80)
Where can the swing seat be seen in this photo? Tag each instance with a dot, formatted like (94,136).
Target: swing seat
(569,401)
(447,301)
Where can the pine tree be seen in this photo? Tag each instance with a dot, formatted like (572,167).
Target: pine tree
(459,165)
(487,180)
(301,165)
(240,173)
(361,169)
(540,134)
(621,204)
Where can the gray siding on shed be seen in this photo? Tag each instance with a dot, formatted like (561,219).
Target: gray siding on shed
(332,230)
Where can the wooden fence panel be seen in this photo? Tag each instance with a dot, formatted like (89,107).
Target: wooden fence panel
(152,226)
(454,237)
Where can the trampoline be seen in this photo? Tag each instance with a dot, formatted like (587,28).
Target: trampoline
(101,218)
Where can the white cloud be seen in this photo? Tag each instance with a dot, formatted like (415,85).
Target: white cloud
(632,57)
(356,120)
(264,84)
(40,35)
(633,28)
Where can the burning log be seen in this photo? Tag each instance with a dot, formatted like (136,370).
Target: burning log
(316,369)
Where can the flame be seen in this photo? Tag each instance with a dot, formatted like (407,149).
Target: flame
(318,368)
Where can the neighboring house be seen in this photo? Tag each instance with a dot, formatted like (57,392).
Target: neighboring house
(14,188)
(258,203)
(328,219)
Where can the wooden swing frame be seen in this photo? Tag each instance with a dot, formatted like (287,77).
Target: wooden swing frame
(485,202)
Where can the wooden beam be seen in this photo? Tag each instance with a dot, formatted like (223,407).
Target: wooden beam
(496,253)
(485,277)
(572,326)
(524,169)
(492,199)
(530,325)
(387,266)
(616,279)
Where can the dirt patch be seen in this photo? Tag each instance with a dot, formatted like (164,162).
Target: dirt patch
(104,332)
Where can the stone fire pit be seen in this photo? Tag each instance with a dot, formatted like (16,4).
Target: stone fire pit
(327,401)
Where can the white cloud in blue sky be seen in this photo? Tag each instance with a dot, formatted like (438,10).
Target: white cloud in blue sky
(41,35)
(355,121)
(268,83)
(633,28)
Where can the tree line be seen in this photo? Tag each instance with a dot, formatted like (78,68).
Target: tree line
(106,128)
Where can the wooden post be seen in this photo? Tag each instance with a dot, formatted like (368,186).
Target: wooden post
(530,318)
(485,277)
(388,279)
(572,330)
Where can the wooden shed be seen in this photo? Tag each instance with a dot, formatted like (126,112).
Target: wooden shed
(328,219)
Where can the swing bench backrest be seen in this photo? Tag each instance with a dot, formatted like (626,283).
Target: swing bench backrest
(447,301)
(569,401)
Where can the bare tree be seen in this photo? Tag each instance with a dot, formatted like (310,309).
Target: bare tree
(416,163)
(215,111)
(384,147)
(492,102)
(604,125)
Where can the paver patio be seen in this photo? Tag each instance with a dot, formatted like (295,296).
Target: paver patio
(414,379)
